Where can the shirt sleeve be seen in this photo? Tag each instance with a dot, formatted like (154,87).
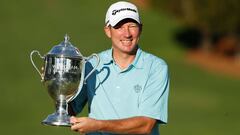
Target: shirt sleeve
(80,101)
(154,98)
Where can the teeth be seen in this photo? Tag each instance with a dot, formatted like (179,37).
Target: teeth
(126,40)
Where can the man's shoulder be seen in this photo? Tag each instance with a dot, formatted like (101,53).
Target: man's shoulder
(153,59)
(103,56)
(104,53)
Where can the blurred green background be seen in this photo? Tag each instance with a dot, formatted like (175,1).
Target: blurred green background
(200,102)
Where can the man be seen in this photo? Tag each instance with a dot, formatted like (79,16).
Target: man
(128,92)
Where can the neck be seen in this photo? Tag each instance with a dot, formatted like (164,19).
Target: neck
(123,60)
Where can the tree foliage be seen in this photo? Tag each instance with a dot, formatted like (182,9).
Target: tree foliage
(210,15)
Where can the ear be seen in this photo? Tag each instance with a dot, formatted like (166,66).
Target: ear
(107,31)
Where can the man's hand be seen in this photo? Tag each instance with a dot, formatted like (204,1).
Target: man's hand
(134,125)
(84,124)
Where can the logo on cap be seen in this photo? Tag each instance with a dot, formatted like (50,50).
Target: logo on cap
(114,12)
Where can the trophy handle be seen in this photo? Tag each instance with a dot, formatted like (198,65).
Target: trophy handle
(31,54)
(98,61)
(83,81)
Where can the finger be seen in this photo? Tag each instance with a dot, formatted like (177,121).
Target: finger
(73,119)
(76,127)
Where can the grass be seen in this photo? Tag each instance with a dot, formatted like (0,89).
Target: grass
(199,103)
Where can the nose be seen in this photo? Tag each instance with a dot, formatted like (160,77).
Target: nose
(126,32)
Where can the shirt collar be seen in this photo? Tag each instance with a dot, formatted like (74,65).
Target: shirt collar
(137,63)
(108,59)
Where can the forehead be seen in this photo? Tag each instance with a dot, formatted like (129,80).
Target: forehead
(124,21)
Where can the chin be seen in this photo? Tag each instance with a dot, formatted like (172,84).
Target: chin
(130,51)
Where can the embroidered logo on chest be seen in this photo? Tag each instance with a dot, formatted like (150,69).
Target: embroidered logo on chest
(137,88)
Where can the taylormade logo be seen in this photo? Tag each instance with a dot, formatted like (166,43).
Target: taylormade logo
(114,12)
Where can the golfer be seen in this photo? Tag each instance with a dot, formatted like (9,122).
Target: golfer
(128,93)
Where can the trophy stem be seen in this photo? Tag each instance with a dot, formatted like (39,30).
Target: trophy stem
(60,117)
(61,105)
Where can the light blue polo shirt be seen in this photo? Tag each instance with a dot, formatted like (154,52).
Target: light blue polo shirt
(139,90)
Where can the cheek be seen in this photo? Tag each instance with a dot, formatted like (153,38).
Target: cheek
(135,33)
(115,40)
(136,37)
(115,35)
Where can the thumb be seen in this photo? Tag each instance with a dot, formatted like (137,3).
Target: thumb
(73,119)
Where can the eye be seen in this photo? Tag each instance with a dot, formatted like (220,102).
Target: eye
(133,26)
(118,27)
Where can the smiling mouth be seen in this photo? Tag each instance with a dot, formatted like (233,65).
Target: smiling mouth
(126,41)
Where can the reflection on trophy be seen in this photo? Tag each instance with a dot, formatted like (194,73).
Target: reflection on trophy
(63,76)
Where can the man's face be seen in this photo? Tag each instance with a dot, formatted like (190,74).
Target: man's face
(125,36)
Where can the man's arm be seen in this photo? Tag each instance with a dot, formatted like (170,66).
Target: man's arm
(134,125)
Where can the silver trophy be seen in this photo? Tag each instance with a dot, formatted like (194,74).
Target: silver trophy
(63,76)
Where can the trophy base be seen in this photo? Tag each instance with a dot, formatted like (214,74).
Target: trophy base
(57,120)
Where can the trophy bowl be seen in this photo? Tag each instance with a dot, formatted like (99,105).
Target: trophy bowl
(63,75)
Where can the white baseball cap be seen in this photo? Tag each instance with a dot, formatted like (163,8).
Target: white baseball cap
(119,11)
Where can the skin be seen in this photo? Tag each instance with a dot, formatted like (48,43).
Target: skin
(124,36)
(133,125)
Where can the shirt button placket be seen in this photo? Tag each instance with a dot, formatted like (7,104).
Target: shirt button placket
(117,82)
